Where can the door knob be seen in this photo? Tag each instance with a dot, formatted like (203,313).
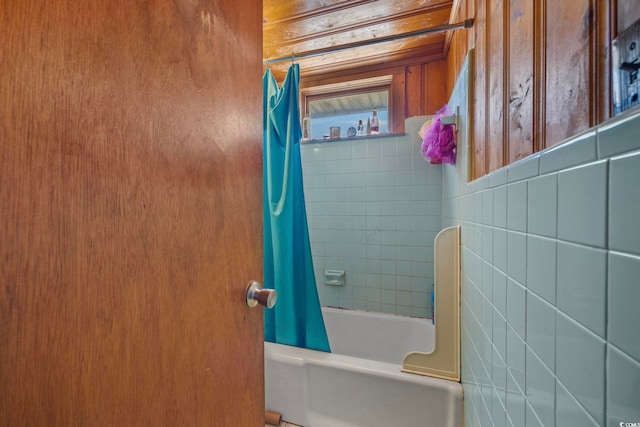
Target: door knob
(256,295)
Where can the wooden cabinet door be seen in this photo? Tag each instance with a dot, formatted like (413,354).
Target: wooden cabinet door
(130,213)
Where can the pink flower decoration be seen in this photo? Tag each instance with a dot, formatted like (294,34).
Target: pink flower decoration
(438,140)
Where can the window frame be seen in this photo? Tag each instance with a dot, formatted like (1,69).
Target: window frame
(353,87)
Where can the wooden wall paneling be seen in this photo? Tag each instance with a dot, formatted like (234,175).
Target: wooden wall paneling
(461,43)
(480,93)
(311,80)
(496,84)
(460,49)
(467,11)
(435,84)
(452,59)
(540,76)
(471,13)
(414,91)
(605,16)
(305,27)
(398,94)
(452,46)
(454,16)
(521,79)
(614,16)
(570,59)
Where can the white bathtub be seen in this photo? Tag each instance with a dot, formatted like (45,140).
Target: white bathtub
(317,389)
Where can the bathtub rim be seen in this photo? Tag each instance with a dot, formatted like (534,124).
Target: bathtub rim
(301,356)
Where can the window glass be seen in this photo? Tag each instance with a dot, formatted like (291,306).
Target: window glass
(346,111)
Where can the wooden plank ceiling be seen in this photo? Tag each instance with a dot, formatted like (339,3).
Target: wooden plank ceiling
(298,27)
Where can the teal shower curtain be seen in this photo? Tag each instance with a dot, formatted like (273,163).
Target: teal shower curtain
(296,319)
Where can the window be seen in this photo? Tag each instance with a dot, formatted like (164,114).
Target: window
(346,105)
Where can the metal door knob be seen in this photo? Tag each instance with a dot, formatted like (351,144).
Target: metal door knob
(256,295)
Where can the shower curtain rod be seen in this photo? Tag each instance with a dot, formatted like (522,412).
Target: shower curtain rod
(468,23)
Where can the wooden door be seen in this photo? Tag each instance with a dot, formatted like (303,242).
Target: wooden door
(130,213)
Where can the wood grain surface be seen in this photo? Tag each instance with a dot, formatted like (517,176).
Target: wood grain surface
(542,73)
(130,213)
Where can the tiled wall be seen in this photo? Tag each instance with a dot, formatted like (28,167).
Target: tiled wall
(374,207)
(551,281)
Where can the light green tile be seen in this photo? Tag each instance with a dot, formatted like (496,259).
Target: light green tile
(624,204)
(516,306)
(500,249)
(569,412)
(500,206)
(624,295)
(542,206)
(581,282)
(516,351)
(582,207)
(580,364)
(623,381)
(577,151)
(515,403)
(541,267)
(619,135)
(541,390)
(541,329)
(517,206)
(517,256)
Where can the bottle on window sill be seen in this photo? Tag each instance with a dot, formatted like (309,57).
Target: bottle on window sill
(375,125)
(306,133)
